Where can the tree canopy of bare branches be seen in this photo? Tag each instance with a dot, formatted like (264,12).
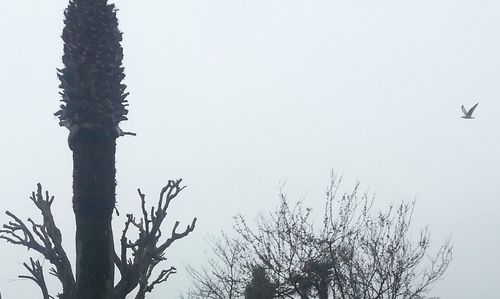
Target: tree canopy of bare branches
(356,252)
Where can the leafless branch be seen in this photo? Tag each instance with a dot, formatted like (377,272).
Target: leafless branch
(162,277)
(36,271)
(44,238)
(147,250)
(223,276)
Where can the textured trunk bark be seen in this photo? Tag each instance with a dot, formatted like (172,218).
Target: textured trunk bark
(93,203)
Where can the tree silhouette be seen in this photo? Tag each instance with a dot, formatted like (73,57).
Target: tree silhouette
(93,105)
(355,252)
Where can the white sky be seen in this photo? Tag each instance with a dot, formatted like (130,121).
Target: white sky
(237,96)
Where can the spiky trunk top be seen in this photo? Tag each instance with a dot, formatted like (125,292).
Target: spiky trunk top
(93,96)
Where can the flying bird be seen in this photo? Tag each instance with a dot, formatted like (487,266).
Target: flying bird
(468,114)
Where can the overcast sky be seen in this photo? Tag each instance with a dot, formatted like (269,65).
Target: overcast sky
(238,96)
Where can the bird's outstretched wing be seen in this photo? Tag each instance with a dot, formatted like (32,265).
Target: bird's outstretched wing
(464,110)
(471,110)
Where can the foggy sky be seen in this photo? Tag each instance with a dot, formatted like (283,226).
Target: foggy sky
(239,96)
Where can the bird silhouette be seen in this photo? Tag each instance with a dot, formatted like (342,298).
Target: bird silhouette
(468,113)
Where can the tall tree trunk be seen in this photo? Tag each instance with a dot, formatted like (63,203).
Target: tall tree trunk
(93,203)
(93,105)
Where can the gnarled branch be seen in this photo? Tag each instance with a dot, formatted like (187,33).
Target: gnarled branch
(44,238)
(36,271)
(147,250)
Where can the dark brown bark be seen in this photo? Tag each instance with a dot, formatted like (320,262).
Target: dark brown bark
(93,104)
(93,203)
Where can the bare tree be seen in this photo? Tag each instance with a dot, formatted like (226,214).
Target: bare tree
(354,253)
(147,250)
(93,105)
